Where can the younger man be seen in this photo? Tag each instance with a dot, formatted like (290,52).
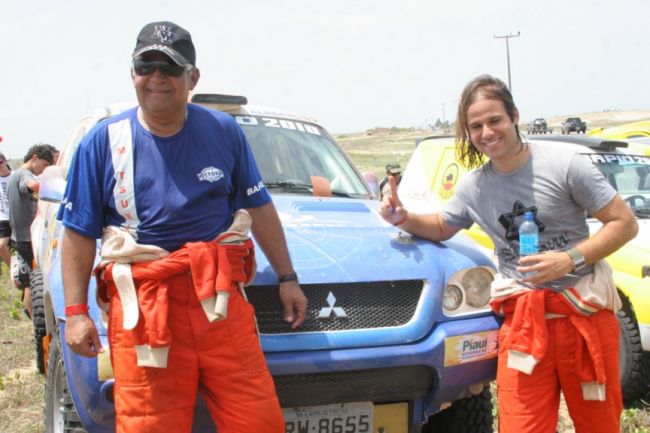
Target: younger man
(22,193)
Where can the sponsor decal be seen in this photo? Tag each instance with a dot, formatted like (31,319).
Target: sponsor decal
(255,189)
(210,174)
(449,179)
(462,349)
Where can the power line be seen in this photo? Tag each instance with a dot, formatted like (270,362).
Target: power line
(507,37)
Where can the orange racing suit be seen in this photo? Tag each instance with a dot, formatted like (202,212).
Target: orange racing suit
(222,359)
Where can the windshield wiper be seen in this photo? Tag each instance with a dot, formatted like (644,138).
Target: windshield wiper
(290,186)
(302,187)
(338,193)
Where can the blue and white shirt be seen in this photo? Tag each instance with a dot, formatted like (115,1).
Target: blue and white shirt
(165,190)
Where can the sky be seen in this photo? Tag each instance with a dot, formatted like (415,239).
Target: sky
(350,64)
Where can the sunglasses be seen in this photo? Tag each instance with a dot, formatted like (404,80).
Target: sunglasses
(147,67)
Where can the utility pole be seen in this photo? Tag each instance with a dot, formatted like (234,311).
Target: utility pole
(506,37)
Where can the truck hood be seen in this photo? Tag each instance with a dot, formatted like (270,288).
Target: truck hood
(345,240)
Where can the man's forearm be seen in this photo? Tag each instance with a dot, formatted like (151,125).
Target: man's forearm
(77,259)
(269,235)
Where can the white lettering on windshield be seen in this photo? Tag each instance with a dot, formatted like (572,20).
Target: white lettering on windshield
(622,159)
(272,122)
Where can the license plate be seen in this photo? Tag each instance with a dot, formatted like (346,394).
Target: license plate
(331,418)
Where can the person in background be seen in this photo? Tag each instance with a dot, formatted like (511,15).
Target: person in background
(22,194)
(392,169)
(170,177)
(560,331)
(5,226)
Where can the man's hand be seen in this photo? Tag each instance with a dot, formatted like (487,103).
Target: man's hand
(391,208)
(545,267)
(295,303)
(81,335)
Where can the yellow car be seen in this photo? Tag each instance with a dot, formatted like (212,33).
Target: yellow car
(623,132)
(429,181)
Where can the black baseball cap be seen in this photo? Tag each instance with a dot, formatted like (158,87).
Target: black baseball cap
(168,38)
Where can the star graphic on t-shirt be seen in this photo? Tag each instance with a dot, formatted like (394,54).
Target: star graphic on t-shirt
(508,220)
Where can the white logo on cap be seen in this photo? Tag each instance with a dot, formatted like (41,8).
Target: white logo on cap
(165,34)
(211,174)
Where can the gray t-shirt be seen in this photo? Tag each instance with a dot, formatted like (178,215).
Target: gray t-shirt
(22,204)
(556,183)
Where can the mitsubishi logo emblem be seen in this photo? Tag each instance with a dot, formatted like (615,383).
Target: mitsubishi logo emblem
(326,312)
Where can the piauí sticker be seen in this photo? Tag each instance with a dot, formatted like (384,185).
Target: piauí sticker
(462,349)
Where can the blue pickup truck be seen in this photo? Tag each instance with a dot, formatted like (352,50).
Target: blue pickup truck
(398,337)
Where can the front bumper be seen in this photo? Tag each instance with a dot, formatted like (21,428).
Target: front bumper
(452,358)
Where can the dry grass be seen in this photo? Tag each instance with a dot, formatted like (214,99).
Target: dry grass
(21,386)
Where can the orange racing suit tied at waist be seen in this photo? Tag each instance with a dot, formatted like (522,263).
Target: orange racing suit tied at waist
(528,339)
(214,269)
(527,310)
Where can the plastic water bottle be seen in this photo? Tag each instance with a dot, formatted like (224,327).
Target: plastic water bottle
(528,236)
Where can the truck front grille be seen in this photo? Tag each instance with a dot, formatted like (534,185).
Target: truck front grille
(376,385)
(363,305)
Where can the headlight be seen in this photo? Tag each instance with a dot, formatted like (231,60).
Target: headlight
(468,291)
(452,298)
(476,283)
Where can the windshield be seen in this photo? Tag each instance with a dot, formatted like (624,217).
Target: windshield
(289,152)
(629,175)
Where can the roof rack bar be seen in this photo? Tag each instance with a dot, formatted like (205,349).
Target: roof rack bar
(214,98)
(591,142)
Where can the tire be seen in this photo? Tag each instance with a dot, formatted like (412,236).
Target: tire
(38,318)
(468,415)
(60,413)
(634,363)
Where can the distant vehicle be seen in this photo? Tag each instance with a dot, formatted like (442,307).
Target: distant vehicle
(398,336)
(539,126)
(429,181)
(623,132)
(573,124)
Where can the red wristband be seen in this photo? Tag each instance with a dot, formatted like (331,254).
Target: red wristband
(75,310)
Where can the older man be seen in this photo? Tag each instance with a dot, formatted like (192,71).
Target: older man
(170,175)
